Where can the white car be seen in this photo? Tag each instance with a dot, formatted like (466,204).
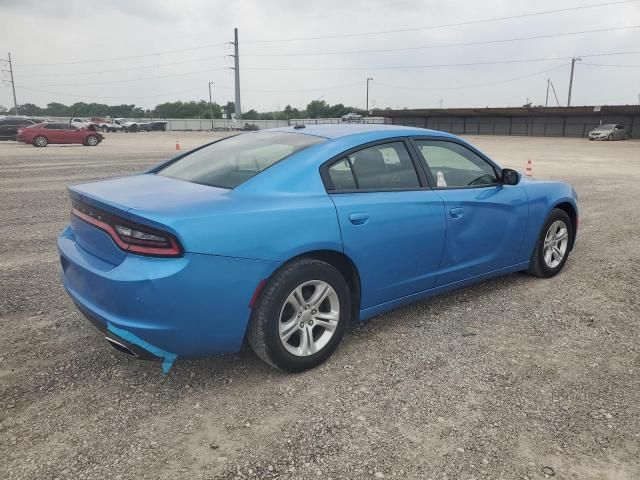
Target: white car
(351,117)
(79,122)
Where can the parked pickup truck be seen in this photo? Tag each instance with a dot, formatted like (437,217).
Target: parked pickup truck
(112,125)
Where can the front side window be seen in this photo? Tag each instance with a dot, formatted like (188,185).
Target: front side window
(453,165)
(382,167)
(234,160)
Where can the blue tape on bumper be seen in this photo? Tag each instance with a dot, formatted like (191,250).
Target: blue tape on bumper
(167,357)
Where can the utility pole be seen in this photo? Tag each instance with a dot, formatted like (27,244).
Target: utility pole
(236,67)
(554,93)
(573,64)
(368,80)
(211,106)
(546,98)
(13,84)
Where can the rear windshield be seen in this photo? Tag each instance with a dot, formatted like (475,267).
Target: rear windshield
(234,160)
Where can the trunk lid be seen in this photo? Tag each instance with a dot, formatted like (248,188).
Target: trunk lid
(147,199)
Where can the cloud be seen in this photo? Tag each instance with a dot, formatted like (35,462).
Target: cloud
(147,52)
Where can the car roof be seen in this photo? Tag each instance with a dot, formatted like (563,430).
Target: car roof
(334,131)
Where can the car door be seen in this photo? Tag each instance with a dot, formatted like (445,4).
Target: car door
(71,134)
(485,219)
(392,223)
(619,132)
(55,132)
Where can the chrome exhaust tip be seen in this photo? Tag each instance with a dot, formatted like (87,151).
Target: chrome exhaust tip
(121,347)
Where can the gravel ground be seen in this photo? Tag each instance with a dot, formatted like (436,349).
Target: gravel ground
(514,378)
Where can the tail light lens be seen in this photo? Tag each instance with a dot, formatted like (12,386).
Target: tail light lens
(129,236)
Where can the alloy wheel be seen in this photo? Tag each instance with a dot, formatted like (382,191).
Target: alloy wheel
(556,242)
(309,318)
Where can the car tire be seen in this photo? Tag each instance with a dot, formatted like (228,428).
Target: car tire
(104,129)
(610,137)
(40,141)
(552,249)
(91,141)
(287,332)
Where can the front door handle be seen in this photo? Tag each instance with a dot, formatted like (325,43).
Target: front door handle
(456,212)
(359,218)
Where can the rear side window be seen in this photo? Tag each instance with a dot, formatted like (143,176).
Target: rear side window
(386,166)
(234,160)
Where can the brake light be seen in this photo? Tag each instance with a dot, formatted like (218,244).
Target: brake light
(129,236)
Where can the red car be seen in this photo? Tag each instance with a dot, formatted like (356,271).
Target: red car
(43,134)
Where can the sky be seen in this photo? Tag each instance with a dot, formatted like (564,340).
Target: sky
(293,51)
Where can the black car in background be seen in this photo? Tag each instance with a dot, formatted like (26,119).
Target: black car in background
(161,126)
(9,126)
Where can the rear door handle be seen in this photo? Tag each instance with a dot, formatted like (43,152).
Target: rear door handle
(456,212)
(359,218)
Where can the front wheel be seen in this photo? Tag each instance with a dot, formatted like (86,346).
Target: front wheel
(91,141)
(300,316)
(40,141)
(553,246)
(610,137)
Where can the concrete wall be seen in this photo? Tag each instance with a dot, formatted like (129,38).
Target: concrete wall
(553,126)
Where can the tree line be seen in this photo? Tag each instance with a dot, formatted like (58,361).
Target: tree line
(192,109)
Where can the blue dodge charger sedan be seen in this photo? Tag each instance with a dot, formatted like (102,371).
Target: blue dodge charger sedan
(284,236)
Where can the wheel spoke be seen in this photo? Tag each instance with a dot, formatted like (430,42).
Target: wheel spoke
(557,254)
(548,255)
(319,295)
(296,299)
(307,346)
(288,328)
(561,235)
(329,325)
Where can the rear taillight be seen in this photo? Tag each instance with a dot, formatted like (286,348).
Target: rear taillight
(130,237)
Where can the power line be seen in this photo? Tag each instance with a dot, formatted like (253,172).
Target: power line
(446,25)
(19,87)
(446,45)
(109,82)
(477,85)
(424,47)
(348,35)
(437,65)
(127,69)
(609,65)
(127,57)
(223,87)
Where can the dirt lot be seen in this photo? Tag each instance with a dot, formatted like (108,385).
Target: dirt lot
(514,378)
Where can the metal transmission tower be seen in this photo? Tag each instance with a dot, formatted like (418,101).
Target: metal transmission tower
(236,68)
(573,64)
(546,102)
(13,85)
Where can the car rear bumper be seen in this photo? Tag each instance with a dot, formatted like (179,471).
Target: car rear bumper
(190,306)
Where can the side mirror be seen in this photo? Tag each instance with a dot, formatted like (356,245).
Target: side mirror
(510,176)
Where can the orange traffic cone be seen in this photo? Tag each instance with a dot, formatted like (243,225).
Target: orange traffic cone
(177,144)
(527,170)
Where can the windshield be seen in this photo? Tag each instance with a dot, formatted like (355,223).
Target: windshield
(605,127)
(234,160)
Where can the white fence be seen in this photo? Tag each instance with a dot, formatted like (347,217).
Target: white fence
(195,124)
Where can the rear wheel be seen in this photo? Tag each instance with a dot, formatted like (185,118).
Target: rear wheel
(553,246)
(105,129)
(40,141)
(300,316)
(91,141)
